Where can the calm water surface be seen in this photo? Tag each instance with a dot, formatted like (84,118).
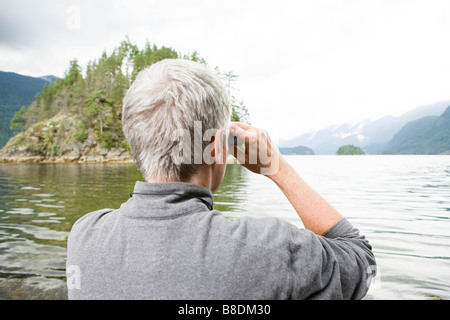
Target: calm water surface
(400,203)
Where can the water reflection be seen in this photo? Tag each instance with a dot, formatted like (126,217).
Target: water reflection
(38,205)
(233,191)
(52,193)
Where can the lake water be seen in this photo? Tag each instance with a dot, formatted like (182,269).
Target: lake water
(400,203)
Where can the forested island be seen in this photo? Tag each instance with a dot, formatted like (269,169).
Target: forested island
(78,117)
(349,150)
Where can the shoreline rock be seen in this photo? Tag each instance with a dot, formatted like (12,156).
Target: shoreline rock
(112,156)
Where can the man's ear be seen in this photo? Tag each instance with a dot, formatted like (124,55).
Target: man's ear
(213,145)
(214,152)
(219,151)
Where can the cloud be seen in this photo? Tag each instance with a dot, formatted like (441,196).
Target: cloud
(27,24)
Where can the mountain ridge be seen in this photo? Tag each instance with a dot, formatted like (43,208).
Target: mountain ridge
(16,91)
(372,136)
(427,135)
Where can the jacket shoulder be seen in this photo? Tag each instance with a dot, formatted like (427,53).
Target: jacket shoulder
(89,219)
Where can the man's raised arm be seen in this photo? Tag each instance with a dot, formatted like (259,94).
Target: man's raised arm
(262,157)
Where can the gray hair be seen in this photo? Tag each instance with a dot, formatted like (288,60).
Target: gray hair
(167,98)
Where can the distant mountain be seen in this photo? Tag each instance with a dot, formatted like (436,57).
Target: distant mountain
(427,135)
(16,91)
(298,150)
(49,78)
(372,136)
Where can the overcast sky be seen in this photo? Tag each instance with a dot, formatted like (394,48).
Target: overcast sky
(302,65)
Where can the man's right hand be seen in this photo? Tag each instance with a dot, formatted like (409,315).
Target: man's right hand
(260,155)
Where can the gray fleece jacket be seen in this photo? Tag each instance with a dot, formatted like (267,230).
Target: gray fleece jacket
(167,242)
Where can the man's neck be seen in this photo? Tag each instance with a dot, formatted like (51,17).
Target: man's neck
(202,178)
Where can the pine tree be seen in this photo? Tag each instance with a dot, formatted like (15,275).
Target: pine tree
(18,121)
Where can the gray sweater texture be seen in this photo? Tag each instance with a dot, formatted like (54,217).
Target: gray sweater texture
(166,242)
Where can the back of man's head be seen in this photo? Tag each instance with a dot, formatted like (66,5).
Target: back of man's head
(170,97)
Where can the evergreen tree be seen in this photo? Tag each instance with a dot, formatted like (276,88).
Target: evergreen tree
(239,112)
(18,121)
(95,106)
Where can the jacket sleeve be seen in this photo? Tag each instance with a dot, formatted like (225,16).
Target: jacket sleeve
(339,264)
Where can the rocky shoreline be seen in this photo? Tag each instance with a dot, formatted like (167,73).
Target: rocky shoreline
(108,156)
(41,159)
(102,156)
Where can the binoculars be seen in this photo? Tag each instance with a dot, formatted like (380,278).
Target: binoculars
(234,141)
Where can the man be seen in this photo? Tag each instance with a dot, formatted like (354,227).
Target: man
(167,241)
